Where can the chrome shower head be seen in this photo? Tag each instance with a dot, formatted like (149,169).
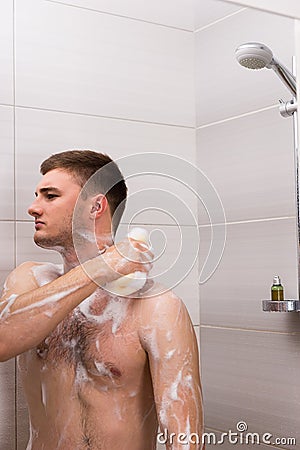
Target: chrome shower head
(255,55)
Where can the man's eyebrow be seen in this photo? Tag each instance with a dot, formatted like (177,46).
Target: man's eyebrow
(47,189)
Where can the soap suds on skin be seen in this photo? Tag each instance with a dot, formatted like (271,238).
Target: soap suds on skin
(10,301)
(52,299)
(169,335)
(44,396)
(115,311)
(151,342)
(45,273)
(128,284)
(102,370)
(81,374)
(5,289)
(173,392)
(170,354)
(90,236)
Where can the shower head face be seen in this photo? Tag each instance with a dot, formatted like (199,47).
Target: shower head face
(254,55)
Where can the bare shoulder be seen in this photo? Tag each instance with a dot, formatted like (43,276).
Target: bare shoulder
(25,277)
(165,325)
(19,280)
(162,307)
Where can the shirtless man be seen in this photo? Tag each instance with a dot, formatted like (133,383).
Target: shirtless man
(98,371)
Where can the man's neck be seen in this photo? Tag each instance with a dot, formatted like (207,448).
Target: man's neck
(73,257)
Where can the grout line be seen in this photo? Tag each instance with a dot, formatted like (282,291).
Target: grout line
(7,104)
(35,108)
(238,222)
(122,224)
(268,219)
(121,16)
(250,113)
(251,330)
(15,208)
(220,20)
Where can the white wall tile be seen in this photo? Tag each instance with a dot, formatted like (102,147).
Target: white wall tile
(22,417)
(175,14)
(41,133)
(235,441)
(226,89)
(7,163)
(297,40)
(175,264)
(7,404)
(208,11)
(250,161)
(7,245)
(27,250)
(6,51)
(251,376)
(289,8)
(7,369)
(254,253)
(78,60)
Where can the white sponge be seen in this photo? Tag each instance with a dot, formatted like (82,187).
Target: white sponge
(133,282)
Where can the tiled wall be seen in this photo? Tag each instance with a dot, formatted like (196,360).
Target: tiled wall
(112,76)
(119,77)
(290,8)
(245,148)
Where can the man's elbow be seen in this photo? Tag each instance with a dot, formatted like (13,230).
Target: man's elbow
(5,354)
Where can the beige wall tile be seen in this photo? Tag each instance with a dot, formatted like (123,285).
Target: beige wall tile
(226,89)
(253,254)
(28,251)
(175,14)
(250,161)
(175,263)
(289,8)
(7,162)
(41,133)
(7,404)
(231,441)
(7,245)
(22,417)
(140,71)
(251,376)
(7,369)
(6,51)
(208,11)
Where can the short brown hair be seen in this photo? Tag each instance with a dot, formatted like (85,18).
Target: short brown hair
(82,164)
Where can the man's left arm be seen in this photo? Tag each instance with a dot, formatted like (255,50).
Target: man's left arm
(169,339)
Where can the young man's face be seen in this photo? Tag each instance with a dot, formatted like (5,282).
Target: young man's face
(56,196)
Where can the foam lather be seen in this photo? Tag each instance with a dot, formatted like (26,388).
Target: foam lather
(133,282)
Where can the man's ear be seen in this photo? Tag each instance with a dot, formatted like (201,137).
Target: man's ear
(99,205)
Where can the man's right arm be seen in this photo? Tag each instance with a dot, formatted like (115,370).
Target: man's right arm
(29,313)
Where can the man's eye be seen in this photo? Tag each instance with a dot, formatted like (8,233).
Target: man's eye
(50,196)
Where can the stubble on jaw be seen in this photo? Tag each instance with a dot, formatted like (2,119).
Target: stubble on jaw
(62,241)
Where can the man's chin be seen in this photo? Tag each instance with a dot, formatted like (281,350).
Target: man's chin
(47,244)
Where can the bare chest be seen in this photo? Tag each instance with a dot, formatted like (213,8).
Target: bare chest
(98,342)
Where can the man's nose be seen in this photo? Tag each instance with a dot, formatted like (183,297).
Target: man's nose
(35,210)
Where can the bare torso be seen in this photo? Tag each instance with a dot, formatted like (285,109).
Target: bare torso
(88,385)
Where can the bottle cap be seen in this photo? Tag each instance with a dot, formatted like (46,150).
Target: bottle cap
(276,280)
